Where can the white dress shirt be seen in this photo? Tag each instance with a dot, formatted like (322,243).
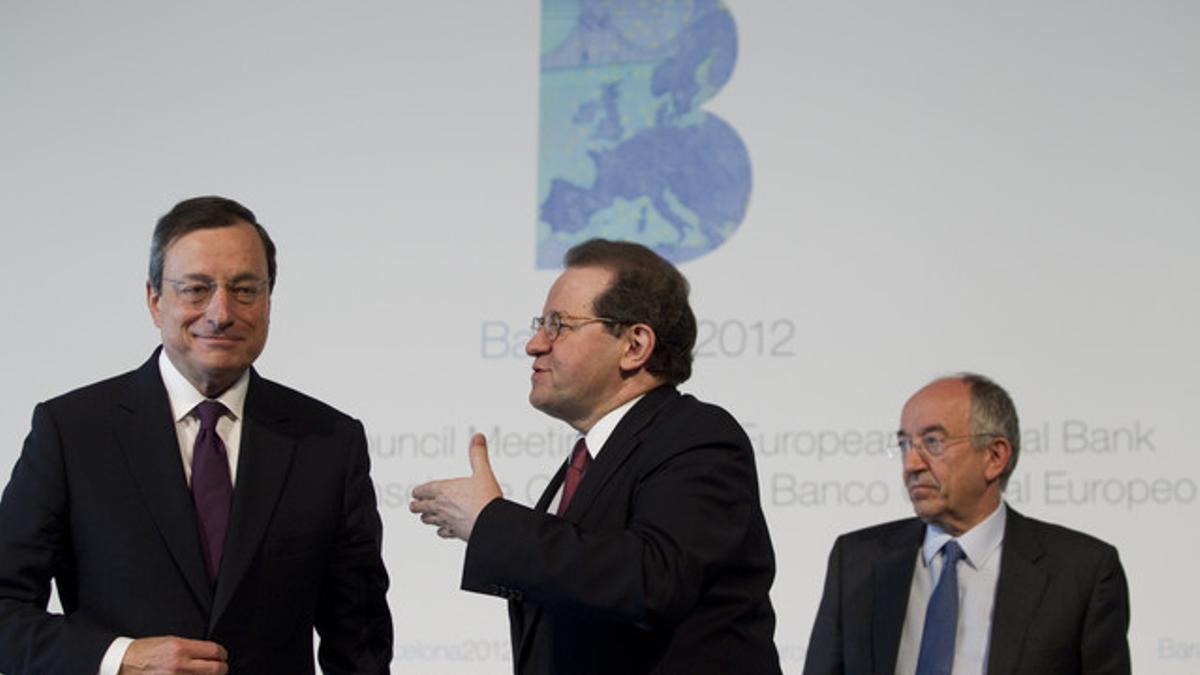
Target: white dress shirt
(184,397)
(596,437)
(978,573)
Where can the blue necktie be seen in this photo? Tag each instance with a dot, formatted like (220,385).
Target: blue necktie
(212,488)
(941,618)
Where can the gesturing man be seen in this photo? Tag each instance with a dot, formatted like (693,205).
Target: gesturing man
(648,551)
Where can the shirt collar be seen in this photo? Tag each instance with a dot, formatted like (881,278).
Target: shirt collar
(978,543)
(184,396)
(598,435)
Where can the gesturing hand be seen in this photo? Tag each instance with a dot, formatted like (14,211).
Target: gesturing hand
(453,505)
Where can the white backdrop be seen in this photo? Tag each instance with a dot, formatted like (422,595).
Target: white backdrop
(1009,188)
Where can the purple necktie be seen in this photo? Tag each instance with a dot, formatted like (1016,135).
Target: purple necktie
(580,459)
(211,488)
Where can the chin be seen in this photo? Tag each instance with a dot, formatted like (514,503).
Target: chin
(227,362)
(541,406)
(927,512)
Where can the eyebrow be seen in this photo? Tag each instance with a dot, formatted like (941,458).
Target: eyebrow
(929,429)
(195,276)
(241,276)
(245,276)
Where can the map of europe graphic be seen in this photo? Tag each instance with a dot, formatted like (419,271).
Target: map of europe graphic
(625,149)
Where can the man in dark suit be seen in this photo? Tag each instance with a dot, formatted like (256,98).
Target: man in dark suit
(195,517)
(648,552)
(1017,595)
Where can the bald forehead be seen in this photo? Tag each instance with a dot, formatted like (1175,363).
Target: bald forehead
(593,275)
(946,389)
(577,287)
(946,402)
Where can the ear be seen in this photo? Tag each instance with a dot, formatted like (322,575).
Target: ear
(639,345)
(999,454)
(153,297)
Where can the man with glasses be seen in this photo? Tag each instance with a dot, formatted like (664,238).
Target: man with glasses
(195,517)
(648,551)
(970,585)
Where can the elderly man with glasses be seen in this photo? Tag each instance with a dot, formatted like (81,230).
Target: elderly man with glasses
(970,585)
(648,551)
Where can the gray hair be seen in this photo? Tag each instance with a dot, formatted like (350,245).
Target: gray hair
(993,414)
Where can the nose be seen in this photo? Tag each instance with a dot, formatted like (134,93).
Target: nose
(914,459)
(538,343)
(218,312)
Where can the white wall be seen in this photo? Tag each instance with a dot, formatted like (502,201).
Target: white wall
(1009,188)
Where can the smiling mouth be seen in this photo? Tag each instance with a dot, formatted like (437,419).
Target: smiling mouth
(218,339)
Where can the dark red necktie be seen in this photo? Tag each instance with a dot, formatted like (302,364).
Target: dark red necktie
(580,459)
(212,489)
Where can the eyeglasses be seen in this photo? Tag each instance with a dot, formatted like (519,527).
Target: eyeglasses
(934,444)
(554,323)
(198,293)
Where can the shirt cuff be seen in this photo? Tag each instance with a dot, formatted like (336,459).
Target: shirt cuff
(111,663)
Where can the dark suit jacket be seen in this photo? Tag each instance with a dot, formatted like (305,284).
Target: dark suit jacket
(98,501)
(1062,604)
(662,563)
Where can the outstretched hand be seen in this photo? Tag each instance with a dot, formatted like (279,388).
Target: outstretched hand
(452,505)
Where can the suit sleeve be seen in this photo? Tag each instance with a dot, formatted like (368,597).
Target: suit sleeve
(824,655)
(688,517)
(35,547)
(353,619)
(1104,648)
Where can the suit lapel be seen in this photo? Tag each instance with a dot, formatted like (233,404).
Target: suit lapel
(263,462)
(892,579)
(617,449)
(619,446)
(523,618)
(543,504)
(147,437)
(1019,591)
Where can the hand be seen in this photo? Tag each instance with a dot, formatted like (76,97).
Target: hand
(453,505)
(174,655)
